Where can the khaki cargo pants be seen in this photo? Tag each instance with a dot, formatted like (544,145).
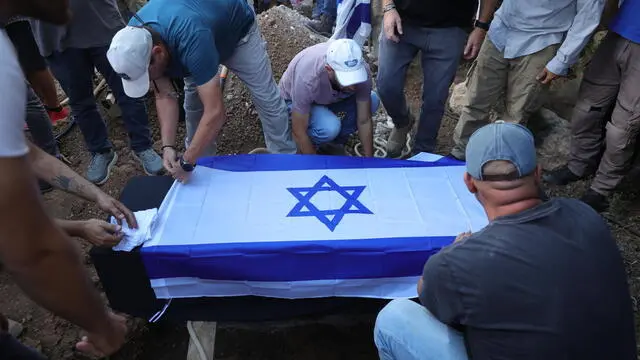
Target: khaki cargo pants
(492,76)
(612,79)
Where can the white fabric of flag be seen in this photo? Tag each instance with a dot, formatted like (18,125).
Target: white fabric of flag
(353,21)
(295,226)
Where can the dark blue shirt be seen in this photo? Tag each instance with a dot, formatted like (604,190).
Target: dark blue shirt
(546,283)
(200,34)
(627,22)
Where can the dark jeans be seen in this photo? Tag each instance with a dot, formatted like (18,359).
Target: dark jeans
(441,50)
(74,69)
(12,349)
(39,124)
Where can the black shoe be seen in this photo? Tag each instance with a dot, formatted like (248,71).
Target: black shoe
(597,201)
(323,27)
(561,176)
(45,187)
(331,149)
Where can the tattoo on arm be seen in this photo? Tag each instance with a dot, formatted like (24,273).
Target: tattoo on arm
(72,186)
(62,182)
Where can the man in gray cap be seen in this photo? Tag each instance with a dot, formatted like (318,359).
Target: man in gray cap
(543,280)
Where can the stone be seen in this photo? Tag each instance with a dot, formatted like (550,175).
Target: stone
(552,135)
(458,93)
(15,328)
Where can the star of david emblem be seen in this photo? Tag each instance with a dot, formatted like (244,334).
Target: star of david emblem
(331,218)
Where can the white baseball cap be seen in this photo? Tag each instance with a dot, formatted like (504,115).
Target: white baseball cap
(130,55)
(345,58)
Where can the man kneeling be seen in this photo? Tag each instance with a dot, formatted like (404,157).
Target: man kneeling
(543,280)
(328,90)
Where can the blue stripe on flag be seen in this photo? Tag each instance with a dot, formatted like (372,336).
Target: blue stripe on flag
(283,162)
(361,14)
(294,260)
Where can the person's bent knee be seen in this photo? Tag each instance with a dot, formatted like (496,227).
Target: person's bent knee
(375,102)
(325,133)
(392,314)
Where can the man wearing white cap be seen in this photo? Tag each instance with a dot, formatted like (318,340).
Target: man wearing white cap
(328,90)
(189,39)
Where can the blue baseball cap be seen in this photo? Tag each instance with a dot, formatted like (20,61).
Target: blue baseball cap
(501,141)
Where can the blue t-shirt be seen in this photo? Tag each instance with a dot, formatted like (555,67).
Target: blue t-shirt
(200,34)
(627,22)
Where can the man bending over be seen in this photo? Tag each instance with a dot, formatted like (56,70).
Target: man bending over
(189,39)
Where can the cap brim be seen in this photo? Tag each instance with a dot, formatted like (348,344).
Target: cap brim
(348,78)
(137,88)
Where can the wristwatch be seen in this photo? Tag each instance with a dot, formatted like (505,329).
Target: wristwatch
(481,25)
(188,167)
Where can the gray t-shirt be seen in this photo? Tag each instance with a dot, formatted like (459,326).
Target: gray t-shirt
(547,283)
(93,24)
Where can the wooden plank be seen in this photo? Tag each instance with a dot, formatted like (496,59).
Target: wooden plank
(205,332)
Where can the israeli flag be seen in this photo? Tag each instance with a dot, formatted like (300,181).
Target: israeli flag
(295,226)
(353,21)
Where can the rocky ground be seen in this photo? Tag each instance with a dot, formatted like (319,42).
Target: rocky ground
(336,338)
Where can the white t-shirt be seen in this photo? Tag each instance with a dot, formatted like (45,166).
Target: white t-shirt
(13,99)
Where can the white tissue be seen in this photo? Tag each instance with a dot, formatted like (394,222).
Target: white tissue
(136,237)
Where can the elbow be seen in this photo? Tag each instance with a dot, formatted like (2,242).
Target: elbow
(212,120)
(365,121)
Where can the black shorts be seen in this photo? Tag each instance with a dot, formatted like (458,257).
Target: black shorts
(28,52)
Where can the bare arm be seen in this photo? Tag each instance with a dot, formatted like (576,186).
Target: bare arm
(167,109)
(71,227)
(487,8)
(42,259)
(300,124)
(476,38)
(55,172)
(365,126)
(213,118)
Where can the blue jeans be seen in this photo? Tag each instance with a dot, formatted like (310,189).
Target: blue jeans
(327,7)
(406,330)
(39,124)
(441,50)
(337,121)
(74,69)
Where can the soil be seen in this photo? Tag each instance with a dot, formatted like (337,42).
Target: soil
(334,338)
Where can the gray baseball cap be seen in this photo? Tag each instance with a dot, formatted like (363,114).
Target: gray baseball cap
(501,141)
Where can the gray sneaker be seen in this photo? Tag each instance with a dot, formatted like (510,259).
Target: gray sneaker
(397,141)
(100,167)
(150,160)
